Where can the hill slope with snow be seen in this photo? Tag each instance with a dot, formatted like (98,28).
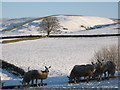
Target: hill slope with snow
(69,23)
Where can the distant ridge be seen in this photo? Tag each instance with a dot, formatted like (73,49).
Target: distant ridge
(35,20)
(29,21)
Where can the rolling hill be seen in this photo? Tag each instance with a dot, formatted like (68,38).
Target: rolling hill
(69,23)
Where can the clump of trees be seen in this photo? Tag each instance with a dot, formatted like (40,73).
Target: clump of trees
(50,24)
(106,54)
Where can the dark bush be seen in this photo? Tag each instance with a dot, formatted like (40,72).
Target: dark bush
(12,68)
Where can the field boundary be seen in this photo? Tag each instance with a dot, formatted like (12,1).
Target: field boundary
(99,35)
(22,39)
(34,37)
(57,36)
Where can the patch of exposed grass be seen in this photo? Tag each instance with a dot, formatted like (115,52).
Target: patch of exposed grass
(22,39)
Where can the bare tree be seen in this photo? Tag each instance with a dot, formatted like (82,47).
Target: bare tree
(107,53)
(50,24)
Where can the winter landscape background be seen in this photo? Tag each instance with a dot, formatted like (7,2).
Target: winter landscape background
(86,28)
(59,53)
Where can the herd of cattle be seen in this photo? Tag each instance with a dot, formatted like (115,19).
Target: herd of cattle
(94,70)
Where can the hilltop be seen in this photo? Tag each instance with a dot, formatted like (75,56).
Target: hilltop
(69,23)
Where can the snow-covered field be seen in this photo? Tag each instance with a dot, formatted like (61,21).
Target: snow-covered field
(61,54)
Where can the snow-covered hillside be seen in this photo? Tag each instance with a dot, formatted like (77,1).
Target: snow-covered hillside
(73,23)
(11,22)
(69,23)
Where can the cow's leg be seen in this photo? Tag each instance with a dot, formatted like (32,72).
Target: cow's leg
(37,82)
(105,74)
(88,78)
(32,81)
(41,80)
(77,80)
(28,83)
(108,76)
(100,78)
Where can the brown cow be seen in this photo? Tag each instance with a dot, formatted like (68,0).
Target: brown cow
(35,74)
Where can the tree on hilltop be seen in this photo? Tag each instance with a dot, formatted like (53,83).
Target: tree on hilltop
(50,24)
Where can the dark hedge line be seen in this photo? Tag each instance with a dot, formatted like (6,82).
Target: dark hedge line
(11,68)
(57,36)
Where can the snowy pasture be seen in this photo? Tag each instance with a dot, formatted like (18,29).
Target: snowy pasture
(60,53)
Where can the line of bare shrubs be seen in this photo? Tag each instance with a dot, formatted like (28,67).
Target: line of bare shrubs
(108,53)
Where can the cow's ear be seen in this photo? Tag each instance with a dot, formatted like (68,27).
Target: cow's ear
(45,67)
(49,66)
(68,77)
(92,63)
